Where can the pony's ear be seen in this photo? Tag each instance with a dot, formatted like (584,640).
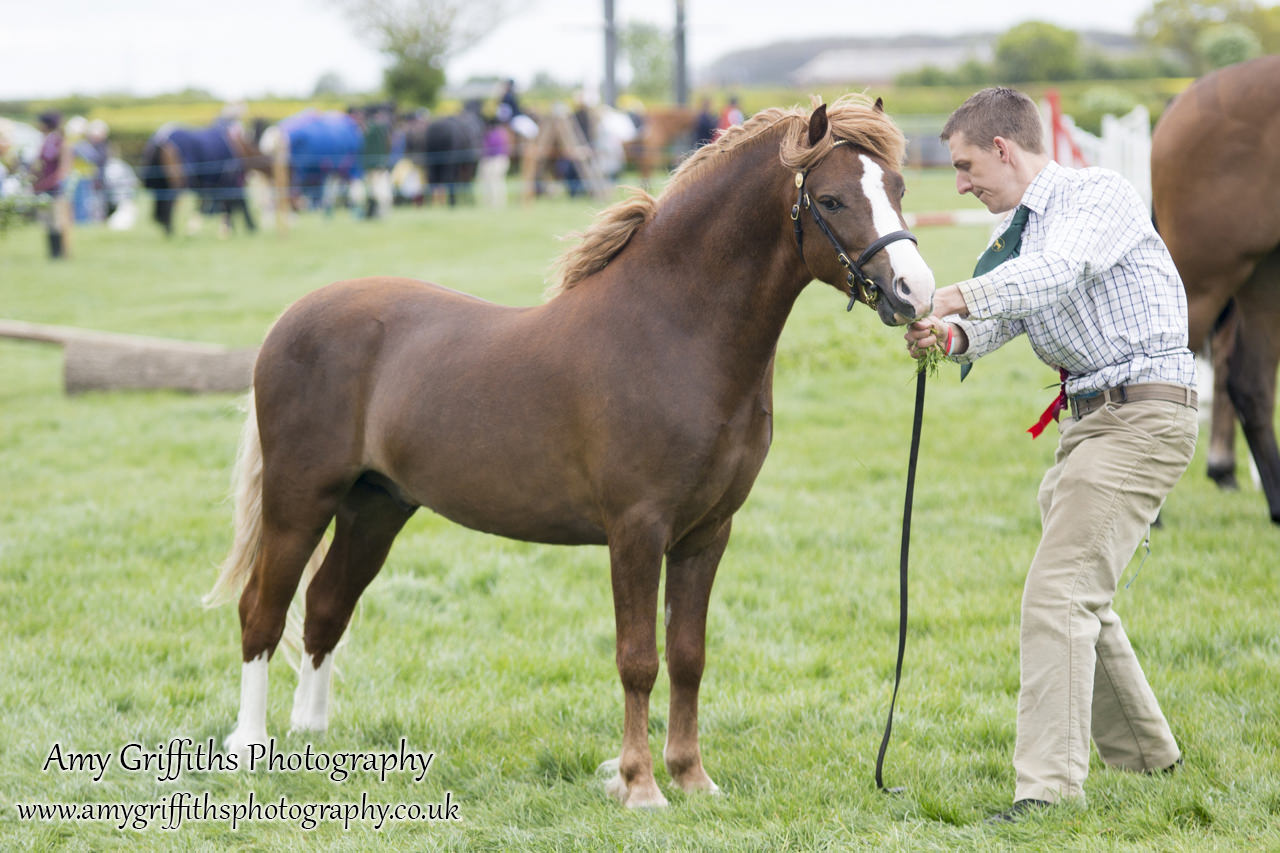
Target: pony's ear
(818,125)
(879,105)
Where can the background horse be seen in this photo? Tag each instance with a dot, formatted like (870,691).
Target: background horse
(665,137)
(451,153)
(1215,180)
(311,152)
(632,409)
(210,161)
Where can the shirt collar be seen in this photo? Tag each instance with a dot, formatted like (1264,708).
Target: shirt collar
(1038,193)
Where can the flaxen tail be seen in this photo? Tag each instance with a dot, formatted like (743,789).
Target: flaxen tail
(241,562)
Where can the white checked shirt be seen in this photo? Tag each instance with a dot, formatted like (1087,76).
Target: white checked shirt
(1093,287)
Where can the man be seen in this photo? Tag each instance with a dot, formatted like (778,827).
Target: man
(1095,291)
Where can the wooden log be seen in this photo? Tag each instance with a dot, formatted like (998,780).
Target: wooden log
(107,365)
(100,361)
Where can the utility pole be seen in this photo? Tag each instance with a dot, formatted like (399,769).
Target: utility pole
(682,62)
(610,56)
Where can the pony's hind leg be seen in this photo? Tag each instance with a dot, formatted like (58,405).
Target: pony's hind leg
(368,520)
(1222,431)
(264,606)
(1252,374)
(688,591)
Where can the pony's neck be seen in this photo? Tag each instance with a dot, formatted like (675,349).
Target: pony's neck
(719,251)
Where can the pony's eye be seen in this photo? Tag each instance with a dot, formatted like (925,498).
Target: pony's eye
(830,204)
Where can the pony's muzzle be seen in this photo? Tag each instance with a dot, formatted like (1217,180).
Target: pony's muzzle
(912,294)
(919,298)
(904,302)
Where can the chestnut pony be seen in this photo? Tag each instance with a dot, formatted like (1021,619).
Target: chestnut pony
(631,409)
(1215,182)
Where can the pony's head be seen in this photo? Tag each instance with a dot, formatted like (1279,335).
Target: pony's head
(848,222)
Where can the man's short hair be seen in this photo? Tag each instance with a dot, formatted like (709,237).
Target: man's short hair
(997,111)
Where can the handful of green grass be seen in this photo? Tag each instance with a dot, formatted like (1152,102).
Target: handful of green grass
(932,357)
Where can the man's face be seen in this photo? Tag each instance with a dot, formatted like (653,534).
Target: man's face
(985,172)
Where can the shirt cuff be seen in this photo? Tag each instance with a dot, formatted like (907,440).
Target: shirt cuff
(980,297)
(971,335)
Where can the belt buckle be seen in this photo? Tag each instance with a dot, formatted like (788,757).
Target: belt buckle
(1079,401)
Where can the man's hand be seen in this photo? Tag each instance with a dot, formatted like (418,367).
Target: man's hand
(924,334)
(931,331)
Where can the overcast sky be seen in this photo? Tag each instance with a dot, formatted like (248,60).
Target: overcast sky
(247,48)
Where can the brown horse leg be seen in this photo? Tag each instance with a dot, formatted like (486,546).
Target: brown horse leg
(635,555)
(1208,297)
(265,601)
(688,592)
(1252,377)
(368,520)
(1222,431)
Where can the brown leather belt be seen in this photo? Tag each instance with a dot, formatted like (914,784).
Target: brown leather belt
(1167,391)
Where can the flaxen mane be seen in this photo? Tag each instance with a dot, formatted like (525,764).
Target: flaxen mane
(852,118)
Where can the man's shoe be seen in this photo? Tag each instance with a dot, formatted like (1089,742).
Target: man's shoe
(1166,771)
(1019,810)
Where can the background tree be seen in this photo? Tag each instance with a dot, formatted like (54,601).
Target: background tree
(650,54)
(1036,50)
(1178,25)
(418,36)
(1227,44)
(330,84)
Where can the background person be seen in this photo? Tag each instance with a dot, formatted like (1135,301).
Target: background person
(53,167)
(495,163)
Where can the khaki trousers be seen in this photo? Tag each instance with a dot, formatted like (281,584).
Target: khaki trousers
(1080,677)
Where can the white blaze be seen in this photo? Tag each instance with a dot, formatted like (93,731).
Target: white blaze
(904,257)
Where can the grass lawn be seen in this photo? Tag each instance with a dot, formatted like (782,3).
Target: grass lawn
(497,656)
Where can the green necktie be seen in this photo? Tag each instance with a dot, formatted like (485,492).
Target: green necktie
(1006,246)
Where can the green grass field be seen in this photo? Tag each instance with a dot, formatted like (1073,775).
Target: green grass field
(497,656)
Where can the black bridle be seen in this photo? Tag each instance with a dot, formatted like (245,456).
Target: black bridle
(861,286)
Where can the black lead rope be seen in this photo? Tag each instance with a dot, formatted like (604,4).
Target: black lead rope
(902,577)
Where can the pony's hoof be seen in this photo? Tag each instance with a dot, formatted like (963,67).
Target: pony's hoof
(690,776)
(638,796)
(239,742)
(1224,476)
(702,785)
(307,724)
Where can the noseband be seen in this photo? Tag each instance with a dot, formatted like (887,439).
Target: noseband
(861,286)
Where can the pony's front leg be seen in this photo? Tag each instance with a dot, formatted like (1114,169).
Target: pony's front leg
(251,723)
(689,578)
(635,555)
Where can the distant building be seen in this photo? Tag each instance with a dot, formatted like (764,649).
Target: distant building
(868,61)
(881,64)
